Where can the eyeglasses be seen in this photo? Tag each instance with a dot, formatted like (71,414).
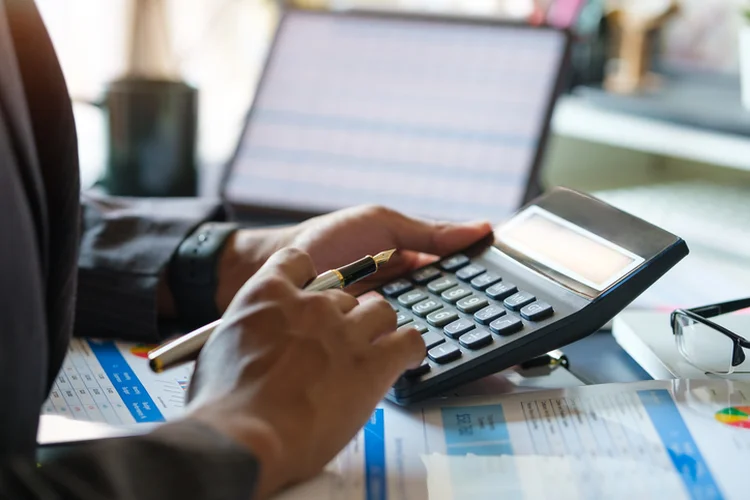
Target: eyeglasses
(706,345)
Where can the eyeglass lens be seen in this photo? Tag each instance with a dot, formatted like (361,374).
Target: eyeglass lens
(704,347)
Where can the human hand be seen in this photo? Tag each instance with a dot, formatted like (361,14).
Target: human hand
(293,375)
(342,237)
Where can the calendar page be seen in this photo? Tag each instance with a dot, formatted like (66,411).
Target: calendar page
(111,382)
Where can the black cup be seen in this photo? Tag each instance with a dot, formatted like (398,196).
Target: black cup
(152,138)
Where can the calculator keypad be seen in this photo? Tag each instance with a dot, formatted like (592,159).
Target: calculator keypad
(426,307)
(465,305)
(441,285)
(455,294)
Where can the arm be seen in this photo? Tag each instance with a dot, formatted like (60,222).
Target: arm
(181,460)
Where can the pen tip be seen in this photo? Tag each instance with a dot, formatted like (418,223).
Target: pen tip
(384,257)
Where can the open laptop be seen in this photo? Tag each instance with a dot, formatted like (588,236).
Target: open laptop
(436,117)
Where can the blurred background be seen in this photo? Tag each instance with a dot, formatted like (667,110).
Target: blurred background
(650,112)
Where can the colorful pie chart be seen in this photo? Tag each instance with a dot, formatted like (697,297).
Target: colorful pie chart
(736,416)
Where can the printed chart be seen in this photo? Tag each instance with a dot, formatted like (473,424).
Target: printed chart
(735,416)
(111,382)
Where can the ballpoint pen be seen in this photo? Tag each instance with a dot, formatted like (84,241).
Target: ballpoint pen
(187,347)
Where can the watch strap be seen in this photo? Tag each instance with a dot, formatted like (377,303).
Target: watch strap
(193,273)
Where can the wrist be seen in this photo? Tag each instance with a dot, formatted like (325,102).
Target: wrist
(244,253)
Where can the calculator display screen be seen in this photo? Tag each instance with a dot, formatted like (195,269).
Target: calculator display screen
(566,248)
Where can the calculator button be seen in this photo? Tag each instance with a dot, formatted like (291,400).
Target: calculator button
(458,328)
(441,318)
(441,285)
(420,370)
(444,353)
(454,263)
(410,298)
(426,307)
(481,282)
(506,326)
(431,339)
(471,304)
(470,272)
(537,311)
(424,276)
(455,294)
(519,300)
(420,327)
(476,339)
(402,319)
(489,314)
(397,287)
(501,291)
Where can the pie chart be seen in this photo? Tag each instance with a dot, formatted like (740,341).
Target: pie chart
(735,416)
(140,350)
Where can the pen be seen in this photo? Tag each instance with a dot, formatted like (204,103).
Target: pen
(551,359)
(187,347)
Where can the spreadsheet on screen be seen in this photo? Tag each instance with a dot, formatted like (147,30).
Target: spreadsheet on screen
(431,117)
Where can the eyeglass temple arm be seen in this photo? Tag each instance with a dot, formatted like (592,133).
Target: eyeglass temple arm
(723,308)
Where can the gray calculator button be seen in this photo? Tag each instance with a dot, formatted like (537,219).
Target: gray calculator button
(410,298)
(476,339)
(489,314)
(441,318)
(420,370)
(455,294)
(397,287)
(485,280)
(454,263)
(471,304)
(501,291)
(441,285)
(458,328)
(470,272)
(519,300)
(506,326)
(402,319)
(420,327)
(426,307)
(424,276)
(444,353)
(431,339)
(537,311)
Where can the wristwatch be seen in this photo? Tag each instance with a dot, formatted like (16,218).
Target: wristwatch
(193,273)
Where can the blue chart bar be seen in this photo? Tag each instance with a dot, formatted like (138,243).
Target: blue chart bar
(678,441)
(477,430)
(130,389)
(376,485)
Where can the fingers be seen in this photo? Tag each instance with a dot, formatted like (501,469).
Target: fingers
(291,263)
(397,352)
(437,238)
(345,302)
(372,319)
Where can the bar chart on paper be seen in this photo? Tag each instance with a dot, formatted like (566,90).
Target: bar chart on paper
(110,382)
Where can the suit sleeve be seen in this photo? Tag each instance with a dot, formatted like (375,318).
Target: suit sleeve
(126,245)
(180,460)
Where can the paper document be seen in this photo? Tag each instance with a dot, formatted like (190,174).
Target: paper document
(110,382)
(673,440)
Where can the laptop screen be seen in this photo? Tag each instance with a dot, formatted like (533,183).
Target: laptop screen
(435,118)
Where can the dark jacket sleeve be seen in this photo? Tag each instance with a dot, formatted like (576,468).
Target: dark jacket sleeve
(180,460)
(126,245)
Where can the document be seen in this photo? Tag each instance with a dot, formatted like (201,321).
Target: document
(111,382)
(660,439)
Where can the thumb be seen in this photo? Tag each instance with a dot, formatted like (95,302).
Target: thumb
(436,238)
(293,264)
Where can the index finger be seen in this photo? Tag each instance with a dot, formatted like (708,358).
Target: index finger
(395,353)
(294,264)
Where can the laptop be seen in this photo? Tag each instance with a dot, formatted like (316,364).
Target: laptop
(437,117)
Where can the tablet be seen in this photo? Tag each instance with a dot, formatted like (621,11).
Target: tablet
(436,117)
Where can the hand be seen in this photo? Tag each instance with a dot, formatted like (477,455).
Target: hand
(342,237)
(293,375)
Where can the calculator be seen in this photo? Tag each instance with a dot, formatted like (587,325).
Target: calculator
(557,271)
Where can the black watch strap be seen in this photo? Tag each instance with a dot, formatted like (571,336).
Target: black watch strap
(193,273)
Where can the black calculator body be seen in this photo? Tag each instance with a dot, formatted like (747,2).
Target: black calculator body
(557,271)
